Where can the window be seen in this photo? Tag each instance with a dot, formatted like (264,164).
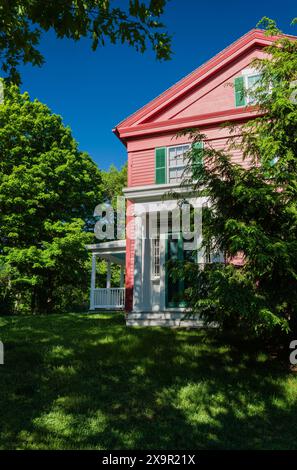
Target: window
(268,166)
(274,160)
(177,162)
(155,253)
(171,163)
(251,82)
(245,86)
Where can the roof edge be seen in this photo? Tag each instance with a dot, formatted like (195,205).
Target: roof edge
(253,34)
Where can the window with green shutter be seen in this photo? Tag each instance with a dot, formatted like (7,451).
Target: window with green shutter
(239,92)
(245,87)
(160,165)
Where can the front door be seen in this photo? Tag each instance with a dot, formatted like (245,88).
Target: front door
(175,287)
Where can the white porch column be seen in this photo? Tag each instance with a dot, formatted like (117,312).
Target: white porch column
(93,282)
(108,275)
(137,291)
(122,275)
(163,242)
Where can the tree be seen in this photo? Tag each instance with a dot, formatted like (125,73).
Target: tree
(253,211)
(48,191)
(113,182)
(23,21)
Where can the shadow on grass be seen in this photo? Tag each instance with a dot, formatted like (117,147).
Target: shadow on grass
(87,381)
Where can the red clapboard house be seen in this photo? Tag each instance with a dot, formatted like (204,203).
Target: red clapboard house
(205,99)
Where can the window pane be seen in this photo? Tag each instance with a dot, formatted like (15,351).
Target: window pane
(177,162)
(172,176)
(155,257)
(252,80)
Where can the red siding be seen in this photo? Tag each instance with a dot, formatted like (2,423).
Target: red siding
(142,167)
(142,158)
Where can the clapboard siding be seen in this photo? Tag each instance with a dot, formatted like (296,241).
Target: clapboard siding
(142,162)
(142,167)
(236,154)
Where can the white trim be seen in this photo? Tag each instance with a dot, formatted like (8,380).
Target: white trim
(149,292)
(153,192)
(138,265)
(167,161)
(155,256)
(159,206)
(115,244)
(109,298)
(108,275)
(93,282)
(250,71)
(246,74)
(110,251)
(122,276)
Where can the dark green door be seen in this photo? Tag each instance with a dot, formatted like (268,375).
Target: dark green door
(175,288)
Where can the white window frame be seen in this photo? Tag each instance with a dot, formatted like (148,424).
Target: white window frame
(168,161)
(248,73)
(155,258)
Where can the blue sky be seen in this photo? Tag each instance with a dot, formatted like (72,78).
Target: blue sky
(94,91)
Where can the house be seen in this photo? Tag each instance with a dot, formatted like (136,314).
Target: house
(205,99)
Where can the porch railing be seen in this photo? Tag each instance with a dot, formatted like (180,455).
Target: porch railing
(109,298)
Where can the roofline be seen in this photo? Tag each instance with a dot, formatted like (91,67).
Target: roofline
(174,92)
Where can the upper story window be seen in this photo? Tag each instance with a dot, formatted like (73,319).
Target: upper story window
(171,163)
(245,85)
(177,163)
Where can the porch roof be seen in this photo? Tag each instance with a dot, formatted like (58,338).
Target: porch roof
(114,251)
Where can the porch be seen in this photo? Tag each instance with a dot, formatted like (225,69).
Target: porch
(108,298)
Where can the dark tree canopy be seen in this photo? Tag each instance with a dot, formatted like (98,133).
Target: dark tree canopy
(136,23)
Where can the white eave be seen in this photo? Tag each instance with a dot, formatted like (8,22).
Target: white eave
(154,192)
(114,250)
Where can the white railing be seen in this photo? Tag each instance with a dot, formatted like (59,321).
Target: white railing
(109,298)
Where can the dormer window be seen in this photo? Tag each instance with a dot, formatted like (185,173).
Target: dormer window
(245,85)
(177,163)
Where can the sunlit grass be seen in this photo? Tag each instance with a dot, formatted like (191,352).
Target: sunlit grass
(82,381)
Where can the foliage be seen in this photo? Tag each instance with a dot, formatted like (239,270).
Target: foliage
(253,212)
(48,191)
(22,22)
(113,182)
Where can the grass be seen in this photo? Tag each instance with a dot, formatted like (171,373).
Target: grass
(82,381)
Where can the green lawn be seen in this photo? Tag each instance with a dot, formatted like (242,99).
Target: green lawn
(82,381)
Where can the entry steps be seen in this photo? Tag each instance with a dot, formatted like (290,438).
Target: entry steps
(169,319)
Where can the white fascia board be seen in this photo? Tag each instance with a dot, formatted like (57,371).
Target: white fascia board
(112,246)
(154,191)
(167,205)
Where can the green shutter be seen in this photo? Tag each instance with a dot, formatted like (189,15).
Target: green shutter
(198,146)
(160,165)
(239,92)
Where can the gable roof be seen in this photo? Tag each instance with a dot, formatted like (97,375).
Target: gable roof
(138,121)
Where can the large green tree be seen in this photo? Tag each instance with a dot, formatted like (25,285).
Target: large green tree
(48,191)
(133,22)
(253,211)
(113,182)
